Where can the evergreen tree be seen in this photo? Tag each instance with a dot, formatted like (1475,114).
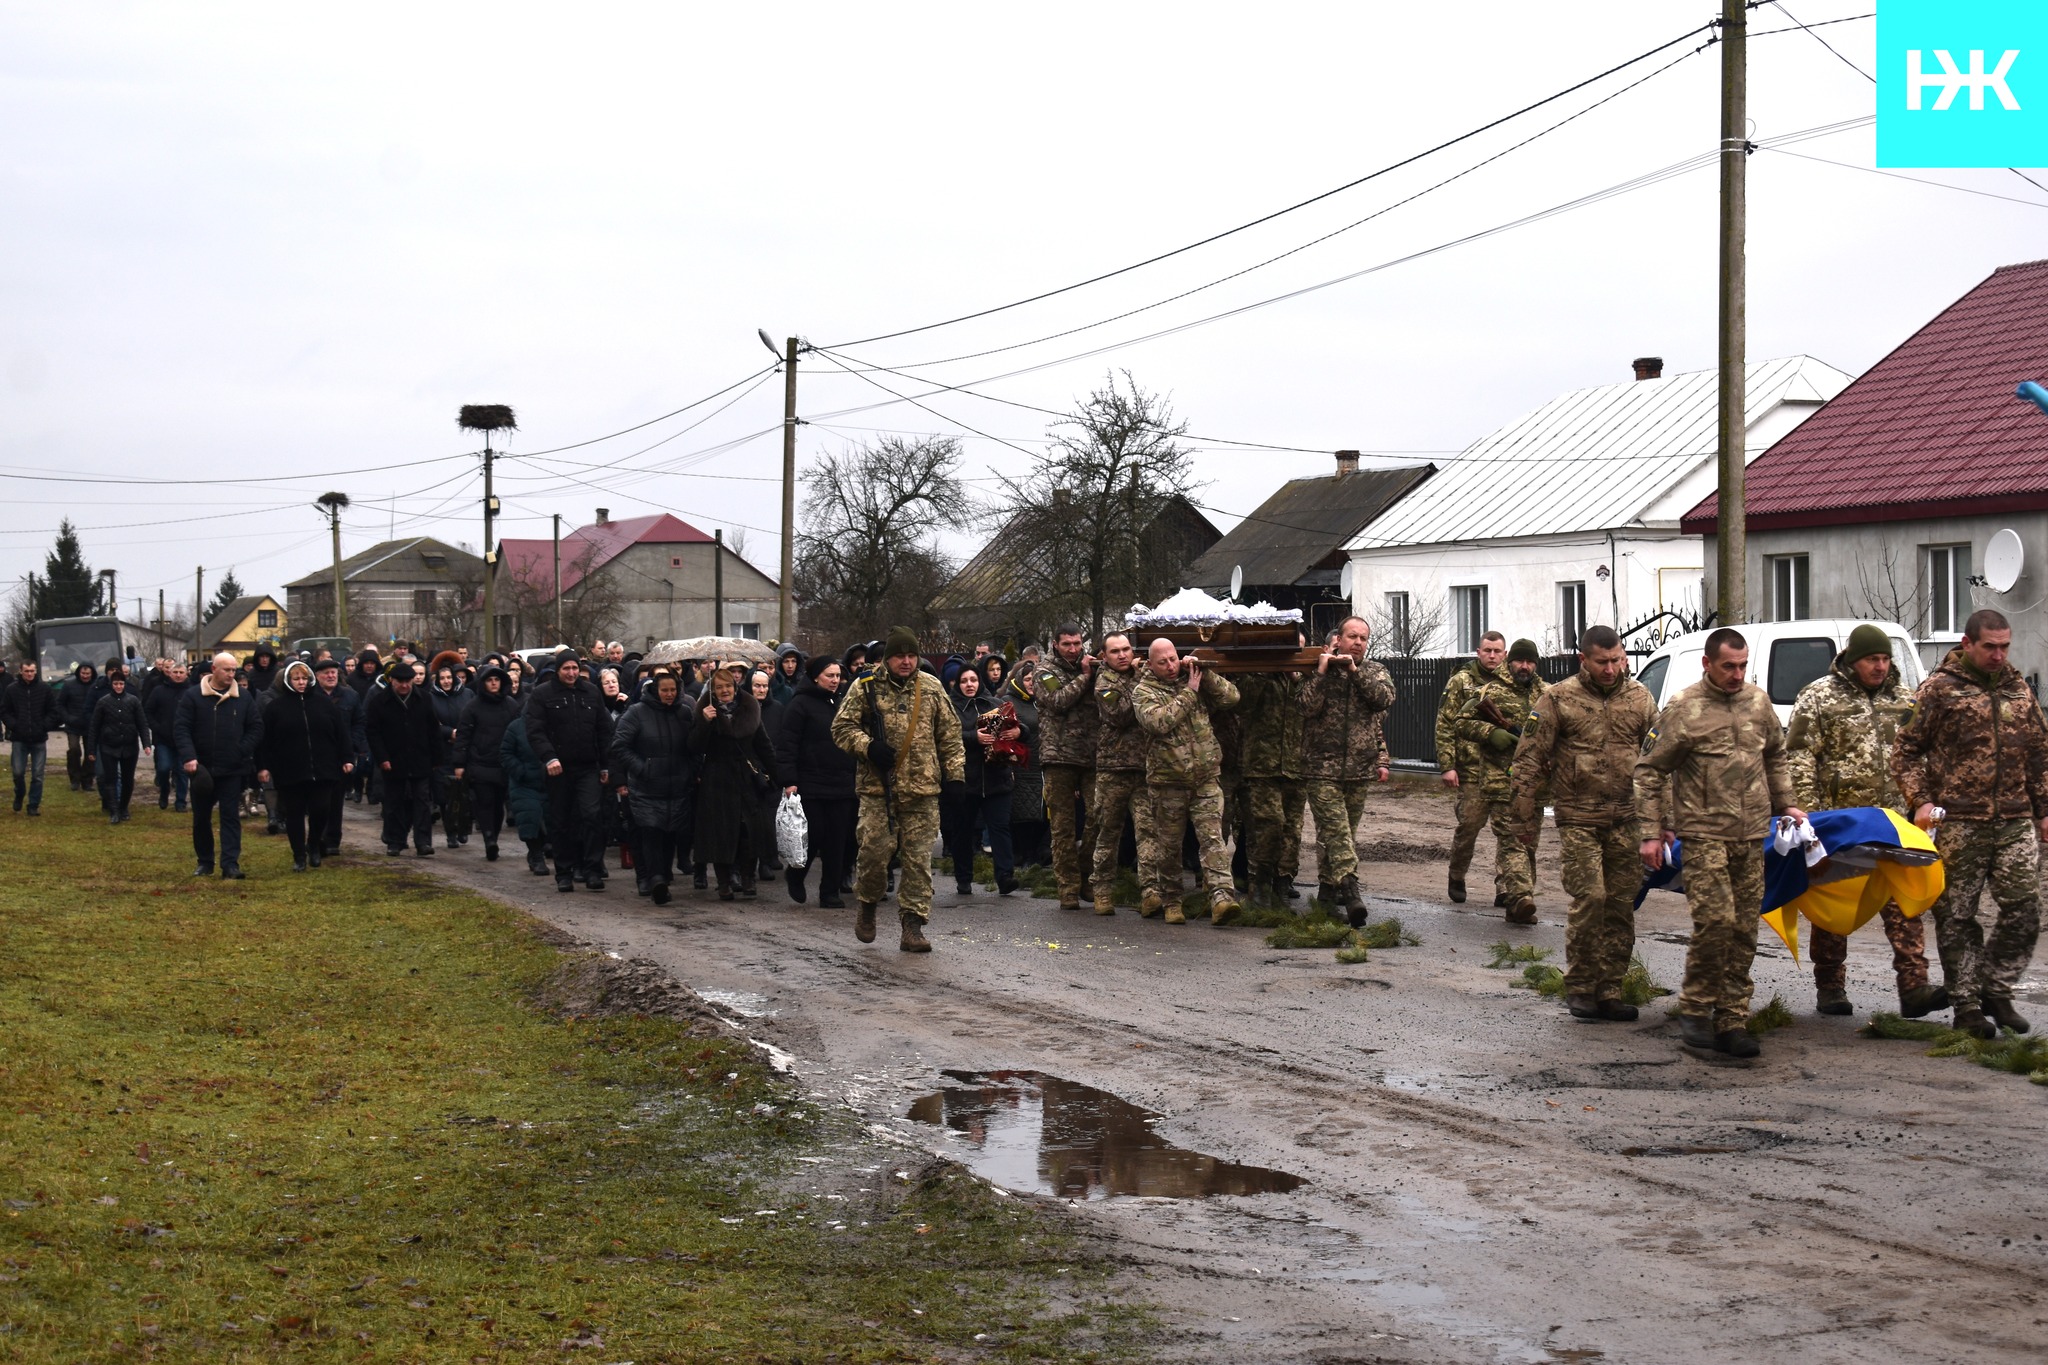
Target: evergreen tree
(230,588)
(69,587)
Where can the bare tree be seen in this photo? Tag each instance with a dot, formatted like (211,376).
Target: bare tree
(1885,597)
(1094,493)
(590,609)
(868,556)
(18,631)
(1406,632)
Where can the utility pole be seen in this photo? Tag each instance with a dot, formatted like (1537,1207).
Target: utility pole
(198,606)
(333,503)
(488,418)
(718,582)
(161,646)
(788,489)
(1731,545)
(558,578)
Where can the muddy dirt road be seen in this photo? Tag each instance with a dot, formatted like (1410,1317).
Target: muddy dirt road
(1485,1178)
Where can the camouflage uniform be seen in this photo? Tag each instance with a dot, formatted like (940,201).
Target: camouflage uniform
(1120,746)
(1514,863)
(1274,796)
(1454,752)
(1978,747)
(1582,743)
(1341,752)
(1067,726)
(1724,756)
(1838,749)
(1182,768)
(924,760)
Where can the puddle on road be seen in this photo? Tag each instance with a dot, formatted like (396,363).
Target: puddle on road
(1035,1133)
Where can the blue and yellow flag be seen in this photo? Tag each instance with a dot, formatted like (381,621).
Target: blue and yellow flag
(1861,858)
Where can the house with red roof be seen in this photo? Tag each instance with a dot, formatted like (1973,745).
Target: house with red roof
(1884,503)
(638,579)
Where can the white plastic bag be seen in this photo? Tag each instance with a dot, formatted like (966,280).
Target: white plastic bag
(792,832)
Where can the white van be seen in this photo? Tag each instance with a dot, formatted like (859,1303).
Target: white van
(1784,656)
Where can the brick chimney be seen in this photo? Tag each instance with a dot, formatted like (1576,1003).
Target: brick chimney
(1648,366)
(1347,462)
(604,514)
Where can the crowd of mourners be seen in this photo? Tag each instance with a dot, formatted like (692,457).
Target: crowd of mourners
(1090,762)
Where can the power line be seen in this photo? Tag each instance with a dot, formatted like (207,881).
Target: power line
(627,431)
(1278,213)
(1918,180)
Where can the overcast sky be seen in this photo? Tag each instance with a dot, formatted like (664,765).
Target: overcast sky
(270,244)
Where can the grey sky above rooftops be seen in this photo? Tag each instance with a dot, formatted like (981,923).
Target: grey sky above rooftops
(242,241)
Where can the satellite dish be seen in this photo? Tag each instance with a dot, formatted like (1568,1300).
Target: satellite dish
(1236,581)
(2004,557)
(1344,581)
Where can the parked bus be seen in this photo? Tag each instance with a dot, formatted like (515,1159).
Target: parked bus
(64,642)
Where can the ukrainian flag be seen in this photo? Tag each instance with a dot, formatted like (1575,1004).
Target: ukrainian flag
(1864,856)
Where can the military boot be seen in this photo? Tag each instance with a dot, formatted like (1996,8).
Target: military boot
(864,923)
(1175,915)
(914,940)
(1695,1031)
(1922,1000)
(1150,906)
(1354,901)
(1500,900)
(1328,898)
(1582,1006)
(1833,1001)
(1999,1007)
(1523,911)
(1969,1019)
(1105,900)
(1223,907)
(1457,890)
(1737,1042)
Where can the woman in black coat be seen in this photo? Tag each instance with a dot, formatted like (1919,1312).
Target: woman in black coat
(821,775)
(479,738)
(651,761)
(305,749)
(451,797)
(985,803)
(735,767)
(763,688)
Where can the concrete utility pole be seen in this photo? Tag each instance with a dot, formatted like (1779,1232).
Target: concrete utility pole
(718,582)
(788,489)
(1731,545)
(558,578)
(198,606)
(488,418)
(333,503)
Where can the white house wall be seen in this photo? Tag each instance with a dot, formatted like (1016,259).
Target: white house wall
(1648,571)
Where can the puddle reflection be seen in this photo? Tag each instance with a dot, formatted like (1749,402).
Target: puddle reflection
(1038,1133)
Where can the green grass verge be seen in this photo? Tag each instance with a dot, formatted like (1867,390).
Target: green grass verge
(2008,1052)
(315,1117)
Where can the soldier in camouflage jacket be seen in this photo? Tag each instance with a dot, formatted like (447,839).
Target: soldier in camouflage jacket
(1839,749)
(1182,772)
(1455,756)
(1068,726)
(1978,747)
(1121,745)
(1274,794)
(1512,699)
(1342,705)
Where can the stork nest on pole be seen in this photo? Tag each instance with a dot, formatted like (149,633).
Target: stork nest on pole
(486,417)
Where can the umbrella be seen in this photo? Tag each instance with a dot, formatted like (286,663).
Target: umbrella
(724,648)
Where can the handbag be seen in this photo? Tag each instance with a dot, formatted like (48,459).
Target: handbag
(792,832)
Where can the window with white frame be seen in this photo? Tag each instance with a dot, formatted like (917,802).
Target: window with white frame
(1468,609)
(746,630)
(1397,622)
(1790,598)
(1948,589)
(1571,615)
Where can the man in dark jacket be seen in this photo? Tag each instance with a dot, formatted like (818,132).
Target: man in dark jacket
(117,734)
(28,712)
(262,670)
(347,701)
(405,746)
(218,728)
(571,733)
(160,707)
(75,700)
(479,736)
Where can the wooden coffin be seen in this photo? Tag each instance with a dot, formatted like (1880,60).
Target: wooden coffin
(1235,646)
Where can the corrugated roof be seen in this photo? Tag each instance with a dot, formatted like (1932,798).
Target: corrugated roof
(1016,565)
(587,549)
(1933,429)
(1591,460)
(1302,524)
(397,561)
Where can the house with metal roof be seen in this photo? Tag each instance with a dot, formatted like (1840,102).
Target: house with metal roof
(637,579)
(1569,515)
(1291,550)
(414,588)
(242,625)
(1891,500)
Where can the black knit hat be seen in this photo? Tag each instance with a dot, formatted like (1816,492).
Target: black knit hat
(1524,651)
